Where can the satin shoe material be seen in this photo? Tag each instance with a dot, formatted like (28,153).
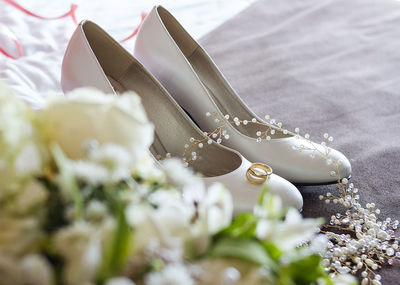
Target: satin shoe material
(94,59)
(185,69)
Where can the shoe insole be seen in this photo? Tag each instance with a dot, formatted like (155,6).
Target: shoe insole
(173,128)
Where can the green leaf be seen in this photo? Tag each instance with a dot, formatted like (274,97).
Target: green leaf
(246,249)
(306,270)
(118,250)
(273,251)
(243,225)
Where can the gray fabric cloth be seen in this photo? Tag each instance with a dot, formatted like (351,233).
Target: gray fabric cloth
(325,66)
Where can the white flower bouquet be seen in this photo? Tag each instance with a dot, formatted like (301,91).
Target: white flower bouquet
(84,202)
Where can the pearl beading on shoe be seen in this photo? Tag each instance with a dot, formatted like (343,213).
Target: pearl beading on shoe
(366,242)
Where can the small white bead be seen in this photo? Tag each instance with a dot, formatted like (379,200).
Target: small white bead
(369,262)
(227,117)
(258,133)
(254,120)
(390,251)
(268,138)
(209,141)
(267,117)
(208,114)
(200,145)
(245,122)
(296,130)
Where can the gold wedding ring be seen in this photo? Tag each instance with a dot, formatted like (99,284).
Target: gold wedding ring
(258,173)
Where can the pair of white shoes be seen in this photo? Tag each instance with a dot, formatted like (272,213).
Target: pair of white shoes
(171,71)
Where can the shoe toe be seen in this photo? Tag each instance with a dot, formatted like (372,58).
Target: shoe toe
(247,195)
(344,164)
(288,193)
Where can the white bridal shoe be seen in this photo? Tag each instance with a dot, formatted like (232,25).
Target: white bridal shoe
(94,59)
(184,68)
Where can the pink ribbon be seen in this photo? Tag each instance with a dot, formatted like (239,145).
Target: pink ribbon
(15,41)
(70,13)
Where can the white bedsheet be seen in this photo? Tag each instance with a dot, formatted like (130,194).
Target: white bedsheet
(38,72)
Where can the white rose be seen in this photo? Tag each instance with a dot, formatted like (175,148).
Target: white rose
(21,218)
(80,245)
(30,269)
(214,205)
(21,152)
(219,207)
(105,163)
(169,224)
(30,199)
(19,236)
(87,115)
(36,270)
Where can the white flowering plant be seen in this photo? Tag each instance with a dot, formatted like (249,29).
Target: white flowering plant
(82,201)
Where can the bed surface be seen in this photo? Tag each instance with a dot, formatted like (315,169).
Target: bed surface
(44,42)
